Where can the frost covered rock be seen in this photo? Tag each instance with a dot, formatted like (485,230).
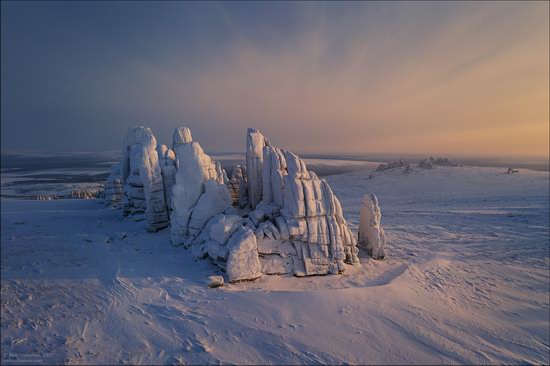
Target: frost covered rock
(113,187)
(181,135)
(214,200)
(371,235)
(243,263)
(237,186)
(255,143)
(167,162)
(215,281)
(310,214)
(272,216)
(295,225)
(199,192)
(143,188)
(223,226)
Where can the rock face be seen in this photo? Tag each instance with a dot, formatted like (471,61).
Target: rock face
(272,216)
(243,263)
(255,143)
(237,186)
(293,224)
(113,187)
(199,192)
(298,205)
(143,188)
(167,162)
(371,235)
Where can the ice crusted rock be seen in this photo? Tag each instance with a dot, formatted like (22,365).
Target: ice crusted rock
(295,225)
(167,162)
(113,187)
(143,187)
(215,281)
(181,135)
(243,263)
(310,214)
(237,186)
(255,143)
(200,191)
(223,226)
(214,200)
(371,235)
(274,216)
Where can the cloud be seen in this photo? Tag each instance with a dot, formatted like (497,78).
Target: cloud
(336,77)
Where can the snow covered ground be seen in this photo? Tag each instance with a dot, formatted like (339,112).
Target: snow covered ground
(466,280)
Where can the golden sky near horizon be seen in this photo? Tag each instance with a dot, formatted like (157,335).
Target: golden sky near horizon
(461,78)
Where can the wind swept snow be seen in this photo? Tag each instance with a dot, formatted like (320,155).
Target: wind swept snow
(464,280)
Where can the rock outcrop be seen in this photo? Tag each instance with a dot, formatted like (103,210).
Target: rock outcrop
(371,235)
(255,143)
(143,188)
(167,162)
(113,187)
(431,163)
(273,216)
(199,192)
(237,186)
(293,225)
(401,163)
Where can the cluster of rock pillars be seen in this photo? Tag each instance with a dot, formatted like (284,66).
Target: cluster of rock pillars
(272,216)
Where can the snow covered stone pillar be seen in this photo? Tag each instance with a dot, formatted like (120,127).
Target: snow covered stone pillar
(167,162)
(113,187)
(182,135)
(371,235)
(194,198)
(143,189)
(255,143)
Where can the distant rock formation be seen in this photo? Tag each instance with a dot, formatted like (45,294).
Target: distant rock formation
(430,163)
(427,163)
(371,235)
(511,171)
(143,187)
(113,187)
(401,163)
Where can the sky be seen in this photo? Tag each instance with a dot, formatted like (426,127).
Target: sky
(455,78)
